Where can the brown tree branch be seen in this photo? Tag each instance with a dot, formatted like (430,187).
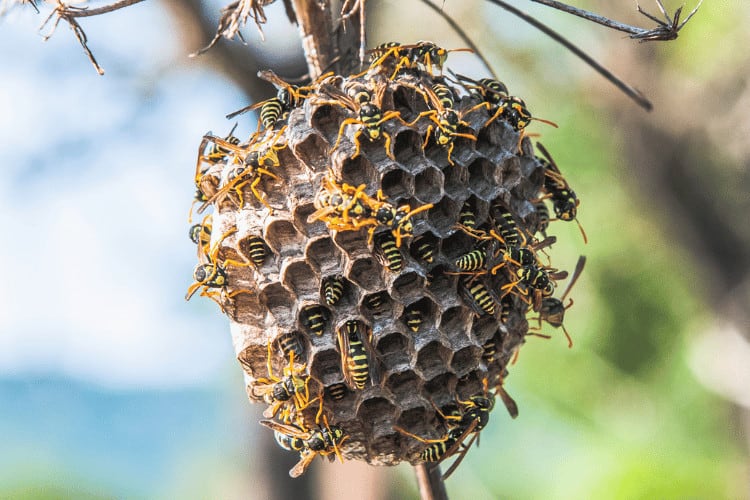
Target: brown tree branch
(430,481)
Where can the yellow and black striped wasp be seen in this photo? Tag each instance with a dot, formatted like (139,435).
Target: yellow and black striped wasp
(423,54)
(324,441)
(367,106)
(472,417)
(210,274)
(248,166)
(479,297)
(413,317)
(446,119)
(277,391)
(333,289)
(337,391)
(564,200)
(200,234)
(275,110)
(209,154)
(254,248)
(291,345)
(314,317)
(355,362)
(347,208)
(392,257)
(494,97)
(424,248)
(553,309)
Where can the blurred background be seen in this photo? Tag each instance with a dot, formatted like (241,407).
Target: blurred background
(111,385)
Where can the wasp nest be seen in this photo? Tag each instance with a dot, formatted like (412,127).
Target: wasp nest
(377,245)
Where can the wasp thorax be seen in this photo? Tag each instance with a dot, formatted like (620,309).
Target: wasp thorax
(377,270)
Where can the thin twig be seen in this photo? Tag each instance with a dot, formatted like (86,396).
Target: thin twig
(72,11)
(461,33)
(666,29)
(631,92)
(430,481)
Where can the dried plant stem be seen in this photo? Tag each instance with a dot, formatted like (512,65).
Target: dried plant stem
(430,481)
(315,31)
(86,12)
(631,92)
(664,31)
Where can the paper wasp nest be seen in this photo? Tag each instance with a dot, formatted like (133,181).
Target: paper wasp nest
(295,273)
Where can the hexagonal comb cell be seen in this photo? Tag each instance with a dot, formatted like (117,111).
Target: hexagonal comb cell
(471,384)
(443,216)
(393,350)
(365,273)
(429,183)
(407,149)
(397,184)
(456,182)
(278,301)
(312,152)
(298,276)
(466,360)
(419,314)
(432,359)
(302,213)
(283,238)
(326,119)
(406,286)
(379,414)
(484,329)
(376,304)
(455,321)
(483,178)
(252,359)
(439,389)
(403,384)
(323,255)
(359,170)
(325,366)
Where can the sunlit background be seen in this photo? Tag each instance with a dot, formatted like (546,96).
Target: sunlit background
(111,385)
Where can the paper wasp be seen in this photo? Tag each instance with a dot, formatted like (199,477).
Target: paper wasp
(553,310)
(358,98)
(210,274)
(333,289)
(248,167)
(348,208)
(564,200)
(324,441)
(413,317)
(423,53)
(354,355)
(291,345)
(275,110)
(200,234)
(314,318)
(445,118)
(495,99)
(423,248)
(392,257)
(479,296)
(209,154)
(473,416)
(278,392)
